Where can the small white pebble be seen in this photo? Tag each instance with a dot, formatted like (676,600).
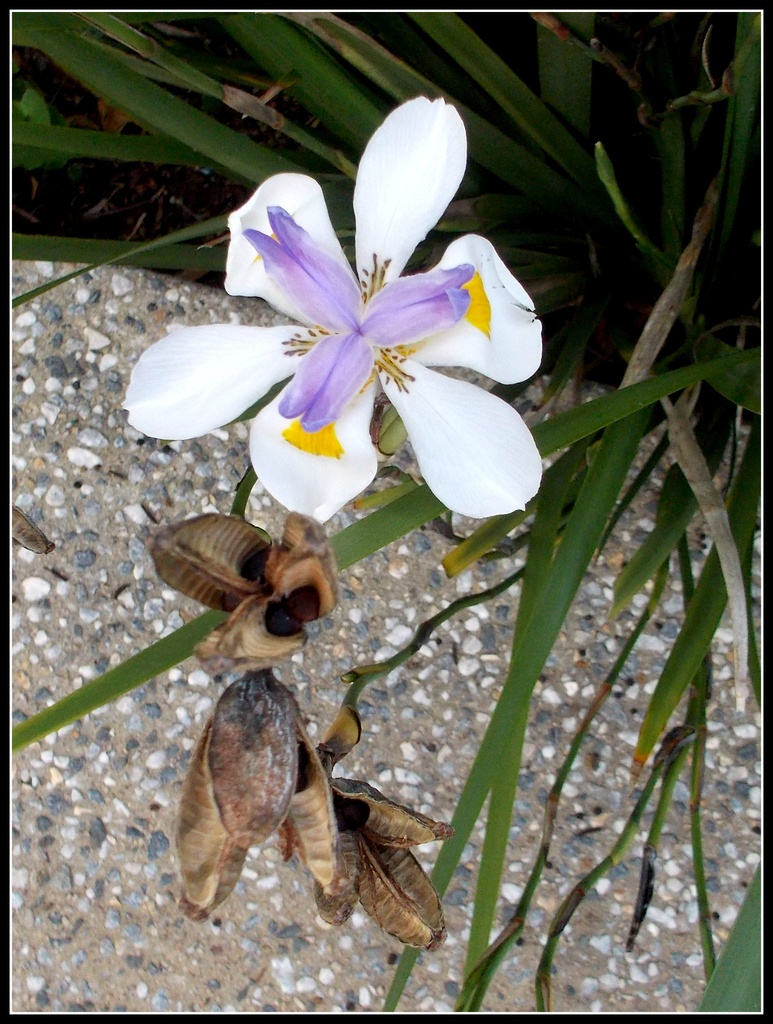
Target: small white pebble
(135,513)
(94,339)
(468,666)
(55,496)
(35,588)
(283,972)
(83,457)
(609,981)
(399,636)
(270,882)
(550,696)
(121,285)
(156,760)
(745,731)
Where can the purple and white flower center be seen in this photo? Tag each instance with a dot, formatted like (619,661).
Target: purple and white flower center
(325,291)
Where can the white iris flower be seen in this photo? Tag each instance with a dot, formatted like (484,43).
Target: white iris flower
(311,446)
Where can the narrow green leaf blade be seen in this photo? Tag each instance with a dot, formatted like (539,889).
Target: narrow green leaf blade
(706,606)
(511,94)
(98,251)
(160,656)
(158,110)
(82,142)
(736,984)
(488,146)
(565,72)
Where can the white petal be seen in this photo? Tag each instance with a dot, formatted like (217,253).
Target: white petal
(512,351)
(302,198)
(199,378)
(409,173)
(473,449)
(316,485)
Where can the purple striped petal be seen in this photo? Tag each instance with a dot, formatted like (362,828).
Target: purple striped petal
(417,307)
(322,288)
(326,380)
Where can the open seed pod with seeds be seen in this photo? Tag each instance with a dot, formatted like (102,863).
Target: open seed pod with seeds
(271,591)
(241,779)
(375,864)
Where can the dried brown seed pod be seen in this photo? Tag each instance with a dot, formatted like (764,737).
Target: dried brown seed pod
(305,558)
(398,895)
(310,827)
(271,590)
(241,779)
(30,536)
(383,820)
(337,907)
(217,560)
(243,641)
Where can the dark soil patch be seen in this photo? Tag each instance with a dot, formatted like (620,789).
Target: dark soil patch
(120,200)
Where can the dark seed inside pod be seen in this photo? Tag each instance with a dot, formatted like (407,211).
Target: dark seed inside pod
(351,814)
(303,769)
(280,621)
(303,604)
(253,568)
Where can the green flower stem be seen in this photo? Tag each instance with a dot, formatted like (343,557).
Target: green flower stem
(243,491)
(650,851)
(385,497)
(479,978)
(701,695)
(361,675)
(696,792)
(672,744)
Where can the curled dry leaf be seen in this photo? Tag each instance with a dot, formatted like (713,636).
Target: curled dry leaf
(270,590)
(30,536)
(241,779)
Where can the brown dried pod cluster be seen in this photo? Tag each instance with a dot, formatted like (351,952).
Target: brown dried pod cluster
(255,771)
(240,782)
(269,590)
(375,864)
(375,834)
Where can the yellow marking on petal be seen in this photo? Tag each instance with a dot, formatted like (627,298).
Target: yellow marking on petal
(321,442)
(479,313)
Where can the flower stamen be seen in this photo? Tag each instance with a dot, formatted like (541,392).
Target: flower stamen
(388,362)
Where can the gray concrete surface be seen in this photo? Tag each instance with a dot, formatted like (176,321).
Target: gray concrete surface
(95,922)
